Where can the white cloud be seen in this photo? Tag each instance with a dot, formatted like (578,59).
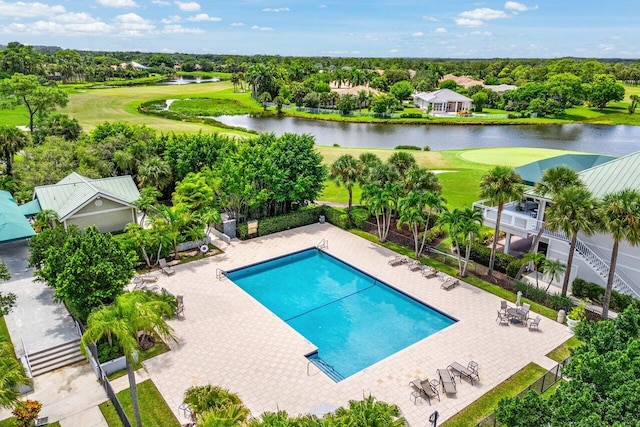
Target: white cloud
(133,24)
(171,19)
(204,17)
(323,6)
(417,34)
(464,22)
(237,24)
(28,10)
(73,17)
(255,27)
(518,7)
(393,51)
(118,3)
(179,29)
(161,3)
(481,33)
(430,18)
(189,6)
(276,10)
(440,30)
(483,14)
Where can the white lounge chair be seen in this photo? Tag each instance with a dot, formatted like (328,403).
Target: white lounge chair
(165,267)
(398,260)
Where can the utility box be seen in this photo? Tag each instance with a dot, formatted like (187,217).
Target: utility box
(252,227)
(229,228)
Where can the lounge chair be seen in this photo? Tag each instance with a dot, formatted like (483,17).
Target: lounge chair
(398,260)
(450,283)
(470,372)
(503,317)
(533,324)
(424,389)
(165,267)
(429,272)
(416,265)
(446,381)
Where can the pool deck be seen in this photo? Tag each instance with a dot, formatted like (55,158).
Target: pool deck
(230,340)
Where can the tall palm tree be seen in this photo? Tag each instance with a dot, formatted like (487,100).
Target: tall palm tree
(148,199)
(418,178)
(451,220)
(471,221)
(554,269)
(381,202)
(620,214)
(173,220)
(573,211)
(556,179)
(536,258)
(12,375)
(347,171)
(131,313)
(155,172)
(12,140)
(500,185)
(402,161)
(411,211)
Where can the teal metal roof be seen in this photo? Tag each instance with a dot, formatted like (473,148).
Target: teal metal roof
(30,208)
(613,176)
(75,191)
(532,172)
(13,224)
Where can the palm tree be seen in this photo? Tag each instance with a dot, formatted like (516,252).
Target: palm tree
(573,211)
(173,220)
(12,140)
(411,211)
(421,179)
(620,214)
(148,199)
(45,219)
(381,202)
(537,259)
(500,185)
(450,220)
(155,172)
(471,221)
(554,269)
(402,161)
(368,412)
(347,171)
(215,406)
(12,375)
(131,313)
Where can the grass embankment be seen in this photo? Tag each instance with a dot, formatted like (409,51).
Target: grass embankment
(153,409)
(460,171)
(488,403)
(563,351)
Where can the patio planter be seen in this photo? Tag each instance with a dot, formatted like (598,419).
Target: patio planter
(114,365)
(571,325)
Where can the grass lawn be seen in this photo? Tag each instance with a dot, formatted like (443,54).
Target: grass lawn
(153,409)
(488,403)
(562,351)
(460,171)
(11,422)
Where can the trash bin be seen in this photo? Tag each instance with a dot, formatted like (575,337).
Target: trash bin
(321,219)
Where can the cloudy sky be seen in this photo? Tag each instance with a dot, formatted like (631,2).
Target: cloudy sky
(400,28)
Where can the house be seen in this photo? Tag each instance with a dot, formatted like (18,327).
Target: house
(524,218)
(500,89)
(442,101)
(463,81)
(13,224)
(78,200)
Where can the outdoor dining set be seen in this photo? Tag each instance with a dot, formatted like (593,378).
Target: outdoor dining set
(518,315)
(446,383)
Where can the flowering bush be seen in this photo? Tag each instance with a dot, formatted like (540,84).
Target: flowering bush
(26,411)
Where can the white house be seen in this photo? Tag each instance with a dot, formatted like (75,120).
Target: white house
(442,101)
(105,203)
(593,253)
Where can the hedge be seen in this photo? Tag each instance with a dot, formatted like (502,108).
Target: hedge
(580,288)
(482,254)
(540,295)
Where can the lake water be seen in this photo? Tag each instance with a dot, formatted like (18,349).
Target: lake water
(611,140)
(181,80)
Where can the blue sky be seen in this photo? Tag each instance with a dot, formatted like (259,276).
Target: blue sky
(401,28)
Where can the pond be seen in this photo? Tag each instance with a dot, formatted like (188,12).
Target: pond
(182,80)
(601,139)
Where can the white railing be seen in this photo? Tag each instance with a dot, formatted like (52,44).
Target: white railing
(520,221)
(532,225)
(600,266)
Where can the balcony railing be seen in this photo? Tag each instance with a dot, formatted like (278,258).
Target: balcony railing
(510,217)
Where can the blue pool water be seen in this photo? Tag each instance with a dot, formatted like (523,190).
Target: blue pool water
(353,319)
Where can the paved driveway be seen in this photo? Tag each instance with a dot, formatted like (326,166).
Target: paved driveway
(16,256)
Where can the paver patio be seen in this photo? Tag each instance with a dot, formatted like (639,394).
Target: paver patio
(231,340)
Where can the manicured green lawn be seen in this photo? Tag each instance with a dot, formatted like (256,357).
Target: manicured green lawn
(562,351)
(11,422)
(488,403)
(153,409)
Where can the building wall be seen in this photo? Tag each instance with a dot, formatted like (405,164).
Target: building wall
(111,221)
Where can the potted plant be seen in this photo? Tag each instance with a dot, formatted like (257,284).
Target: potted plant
(576,314)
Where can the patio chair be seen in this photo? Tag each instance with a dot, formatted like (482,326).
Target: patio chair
(503,306)
(416,265)
(429,272)
(398,260)
(534,324)
(525,310)
(503,318)
(446,381)
(165,267)
(450,284)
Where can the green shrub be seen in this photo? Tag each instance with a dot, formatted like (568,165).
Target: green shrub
(359,215)
(482,254)
(337,217)
(433,233)
(304,216)
(619,302)
(427,148)
(539,295)
(559,302)
(582,289)
(407,147)
(411,116)
(514,266)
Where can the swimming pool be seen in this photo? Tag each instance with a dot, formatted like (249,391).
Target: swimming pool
(352,318)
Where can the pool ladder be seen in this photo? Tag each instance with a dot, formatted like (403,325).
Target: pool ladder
(220,274)
(323,244)
(329,370)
